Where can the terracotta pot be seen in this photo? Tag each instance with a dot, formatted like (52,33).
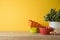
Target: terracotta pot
(45,31)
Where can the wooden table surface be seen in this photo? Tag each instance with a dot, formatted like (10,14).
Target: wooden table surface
(26,36)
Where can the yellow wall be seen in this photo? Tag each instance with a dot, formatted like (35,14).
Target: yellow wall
(14,14)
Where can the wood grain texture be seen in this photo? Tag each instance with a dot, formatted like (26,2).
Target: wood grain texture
(26,36)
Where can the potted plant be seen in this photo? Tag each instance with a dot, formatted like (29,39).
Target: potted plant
(53,17)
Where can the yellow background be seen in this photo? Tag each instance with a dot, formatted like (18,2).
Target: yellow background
(14,14)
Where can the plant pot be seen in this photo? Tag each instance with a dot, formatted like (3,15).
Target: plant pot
(55,25)
(44,31)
